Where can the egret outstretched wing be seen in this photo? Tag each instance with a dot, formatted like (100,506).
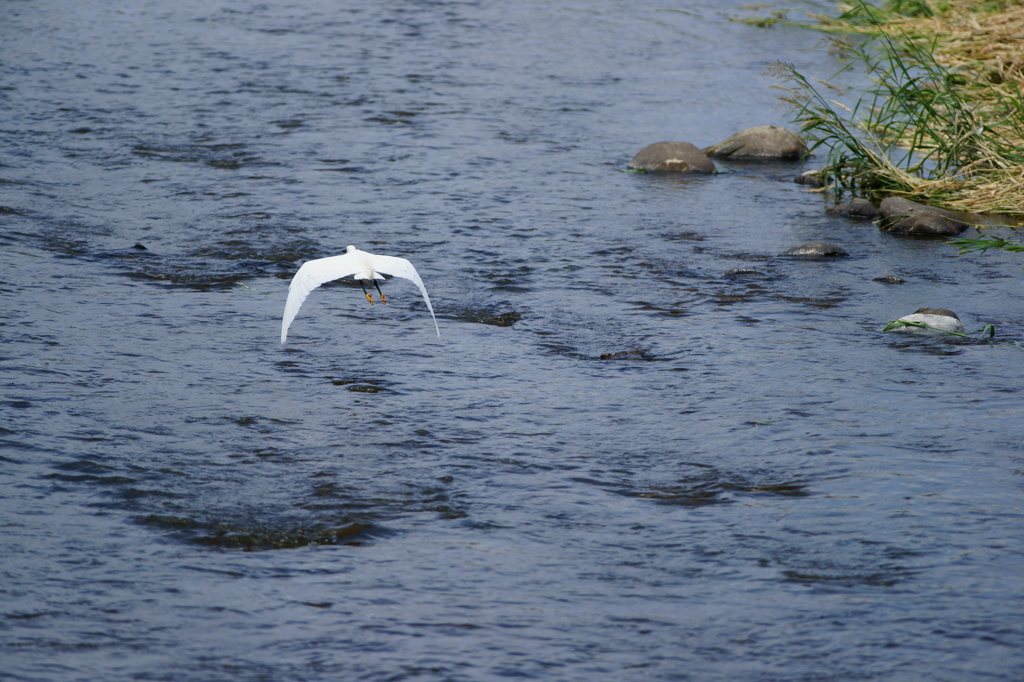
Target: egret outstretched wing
(354,262)
(400,267)
(311,275)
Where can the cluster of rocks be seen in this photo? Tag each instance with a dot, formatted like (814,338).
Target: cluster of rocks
(894,215)
(758,143)
(897,215)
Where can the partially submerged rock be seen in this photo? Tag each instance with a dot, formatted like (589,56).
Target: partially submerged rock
(761,142)
(810,178)
(889,279)
(744,272)
(815,250)
(636,353)
(861,209)
(903,216)
(944,312)
(677,157)
(938,320)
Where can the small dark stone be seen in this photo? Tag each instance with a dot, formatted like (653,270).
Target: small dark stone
(638,353)
(902,216)
(140,247)
(862,208)
(744,272)
(889,279)
(816,250)
(502,320)
(677,157)
(811,179)
(857,208)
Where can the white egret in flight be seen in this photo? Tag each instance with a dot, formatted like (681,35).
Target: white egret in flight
(353,263)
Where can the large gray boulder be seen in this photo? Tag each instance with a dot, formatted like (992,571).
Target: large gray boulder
(939,319)
(903,216)
(760,142)
(677,157)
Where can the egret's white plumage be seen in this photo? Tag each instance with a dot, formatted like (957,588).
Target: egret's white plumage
(353,263)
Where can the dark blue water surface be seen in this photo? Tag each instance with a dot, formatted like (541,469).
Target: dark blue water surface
(759,484)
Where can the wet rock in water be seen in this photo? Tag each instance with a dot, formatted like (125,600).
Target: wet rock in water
(889,279)
(677,157)
(490,316)
(744,272)
(941,319)
(503,320)
(816,250)
(944,312)
(760,142)
(857,208)
(902,216)
(810,179)
(637,353)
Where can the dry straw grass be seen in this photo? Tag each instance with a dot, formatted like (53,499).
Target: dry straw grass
(979,38)
(949,78)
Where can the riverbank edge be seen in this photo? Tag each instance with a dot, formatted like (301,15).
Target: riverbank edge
(968,49)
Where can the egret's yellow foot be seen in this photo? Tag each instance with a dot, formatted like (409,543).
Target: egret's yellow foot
(383,299)
(369,298)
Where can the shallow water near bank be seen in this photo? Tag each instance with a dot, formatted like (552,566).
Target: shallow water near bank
(755,483)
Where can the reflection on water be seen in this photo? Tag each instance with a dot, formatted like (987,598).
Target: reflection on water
(645,445)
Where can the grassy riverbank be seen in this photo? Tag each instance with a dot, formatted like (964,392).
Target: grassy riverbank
(943,122)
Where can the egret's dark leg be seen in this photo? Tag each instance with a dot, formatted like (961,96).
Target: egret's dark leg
(369,298)
(382,298)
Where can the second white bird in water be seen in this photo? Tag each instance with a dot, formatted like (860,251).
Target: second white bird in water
(353,263)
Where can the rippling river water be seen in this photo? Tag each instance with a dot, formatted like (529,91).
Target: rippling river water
(757,485)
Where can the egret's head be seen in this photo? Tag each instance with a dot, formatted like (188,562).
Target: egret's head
(349,248)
